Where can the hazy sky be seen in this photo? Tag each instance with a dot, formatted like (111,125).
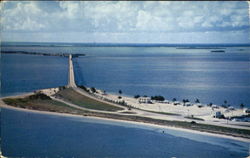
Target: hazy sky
(126,22)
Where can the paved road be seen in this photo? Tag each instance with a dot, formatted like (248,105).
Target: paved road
(71,77)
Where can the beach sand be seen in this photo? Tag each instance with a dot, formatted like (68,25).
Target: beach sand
(2,105)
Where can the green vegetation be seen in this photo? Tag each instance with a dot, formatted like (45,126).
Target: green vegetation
(83,87)
(120,92)
(158,98)
(197,101)
(137,96)
(242,105)
(39,102)
(93,89)
(44,103)
(86,102)
(185,101)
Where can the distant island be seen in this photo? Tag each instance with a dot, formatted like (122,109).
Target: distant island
(42,54)
(217,51)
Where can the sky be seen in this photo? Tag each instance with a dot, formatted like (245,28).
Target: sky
(126,21)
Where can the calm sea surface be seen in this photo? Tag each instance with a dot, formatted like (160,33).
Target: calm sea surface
(26,134)
(167,71)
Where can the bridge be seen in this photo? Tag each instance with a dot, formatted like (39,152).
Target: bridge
(71,77)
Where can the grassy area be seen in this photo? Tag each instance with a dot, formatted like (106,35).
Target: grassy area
(163,113)
(86,102)
(42,104)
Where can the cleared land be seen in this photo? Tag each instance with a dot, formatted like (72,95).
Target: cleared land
(84,101)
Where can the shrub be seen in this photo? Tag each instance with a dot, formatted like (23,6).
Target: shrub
(83,87)
(39,96)
(137,96)
(158,98)
(93,89)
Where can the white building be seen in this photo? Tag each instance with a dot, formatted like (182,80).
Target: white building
(217,114)
(188,104)
(177,103)
(144,100)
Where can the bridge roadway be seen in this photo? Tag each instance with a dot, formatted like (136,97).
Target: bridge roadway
(71,77)
(72,84)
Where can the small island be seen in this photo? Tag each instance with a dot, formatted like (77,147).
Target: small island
(217,51)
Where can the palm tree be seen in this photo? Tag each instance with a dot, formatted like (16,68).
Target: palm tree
(210,104)
(120,92)
(242,105)
(225,102)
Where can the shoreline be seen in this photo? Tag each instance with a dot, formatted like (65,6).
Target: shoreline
(151,125)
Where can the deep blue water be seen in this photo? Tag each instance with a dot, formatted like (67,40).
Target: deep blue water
(26,134)
(167,71)
(26,73)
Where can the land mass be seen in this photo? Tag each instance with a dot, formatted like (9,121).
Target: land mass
(83,102)
(42,54)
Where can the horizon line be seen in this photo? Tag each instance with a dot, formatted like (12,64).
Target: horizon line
(93,43)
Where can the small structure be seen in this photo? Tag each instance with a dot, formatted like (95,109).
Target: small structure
(247,111)
(188,104)
(146,100)
(199,105)
(218,114)
(177,103)
(230,108)
(165,101)
(215,106)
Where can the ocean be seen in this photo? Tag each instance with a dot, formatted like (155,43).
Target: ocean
(183,72)
(173,71)
(27,134)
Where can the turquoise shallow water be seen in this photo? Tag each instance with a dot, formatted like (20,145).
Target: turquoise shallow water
(26,134)
(168,71)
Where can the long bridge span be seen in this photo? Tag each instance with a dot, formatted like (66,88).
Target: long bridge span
(71,77)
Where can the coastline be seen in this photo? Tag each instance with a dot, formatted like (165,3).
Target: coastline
(126,121)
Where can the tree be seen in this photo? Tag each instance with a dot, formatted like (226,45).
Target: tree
(185,101)
(93,89)
(158,98)
(242,105)
(137,96)
(120,92)
(174,99)
(197,100)
(210,104)
(225,101)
